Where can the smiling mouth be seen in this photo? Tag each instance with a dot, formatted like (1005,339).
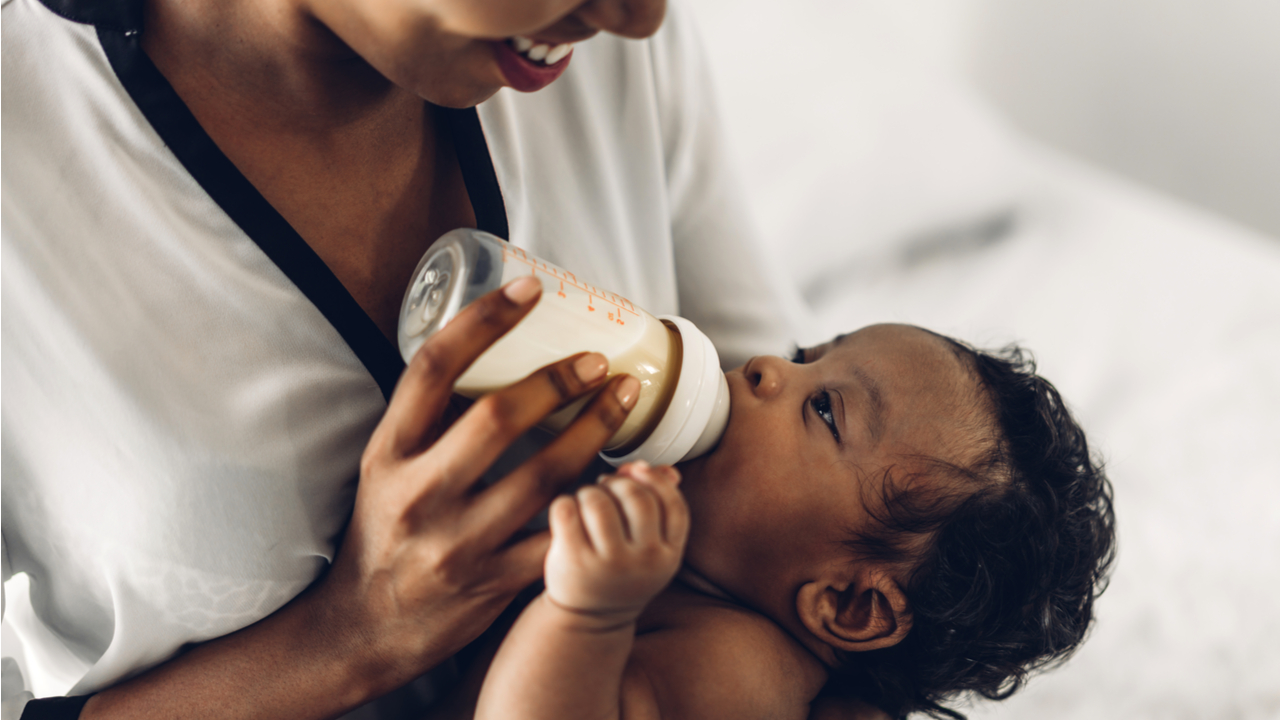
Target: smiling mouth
(543,54)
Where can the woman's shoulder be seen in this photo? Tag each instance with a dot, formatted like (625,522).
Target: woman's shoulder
(62,96)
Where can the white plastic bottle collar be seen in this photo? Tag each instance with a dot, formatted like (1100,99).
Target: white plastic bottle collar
(699,410)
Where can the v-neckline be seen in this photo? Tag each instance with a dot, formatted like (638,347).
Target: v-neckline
(119,34)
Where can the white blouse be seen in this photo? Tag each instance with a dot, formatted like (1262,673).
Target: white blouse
(187,389)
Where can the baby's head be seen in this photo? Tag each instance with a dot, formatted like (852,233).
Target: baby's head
(923,516)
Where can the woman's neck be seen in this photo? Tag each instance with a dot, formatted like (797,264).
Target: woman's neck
(267,61)
(353,162)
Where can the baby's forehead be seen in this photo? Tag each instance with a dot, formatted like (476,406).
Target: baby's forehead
(933,399)
(906,354)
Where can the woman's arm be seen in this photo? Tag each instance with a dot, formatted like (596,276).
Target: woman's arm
(614,546)
(428,559)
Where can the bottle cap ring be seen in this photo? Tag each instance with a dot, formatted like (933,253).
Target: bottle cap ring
(699,409)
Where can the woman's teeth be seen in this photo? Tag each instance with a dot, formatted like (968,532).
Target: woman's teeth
(540,52)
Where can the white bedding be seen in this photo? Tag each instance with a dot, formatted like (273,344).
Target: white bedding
(889,192)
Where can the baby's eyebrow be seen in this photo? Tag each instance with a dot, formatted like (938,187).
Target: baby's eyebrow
(875,408)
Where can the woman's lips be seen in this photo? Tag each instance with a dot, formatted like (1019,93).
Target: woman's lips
(523,74)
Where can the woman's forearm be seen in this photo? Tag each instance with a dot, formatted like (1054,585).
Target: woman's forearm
(301,662)
(558,664)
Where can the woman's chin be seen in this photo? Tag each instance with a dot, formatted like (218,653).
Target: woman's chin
(459,96)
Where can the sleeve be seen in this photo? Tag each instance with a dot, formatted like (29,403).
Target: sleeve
(13,691)
(721,270)
(16,700)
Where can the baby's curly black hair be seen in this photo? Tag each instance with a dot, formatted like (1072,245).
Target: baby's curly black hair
(1018,550)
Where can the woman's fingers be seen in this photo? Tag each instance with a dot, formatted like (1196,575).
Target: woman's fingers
(483,433)
(521,564)
(510,503)
(427,383)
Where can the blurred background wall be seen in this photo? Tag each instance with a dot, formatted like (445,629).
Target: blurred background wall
(1183,95)
(1179,95)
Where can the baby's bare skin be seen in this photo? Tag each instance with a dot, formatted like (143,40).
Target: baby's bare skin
(585,647)
(732,645)
(796,470)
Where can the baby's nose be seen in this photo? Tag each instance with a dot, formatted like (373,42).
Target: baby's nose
(764,372)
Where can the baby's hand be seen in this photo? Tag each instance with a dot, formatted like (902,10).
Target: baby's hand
(616,544)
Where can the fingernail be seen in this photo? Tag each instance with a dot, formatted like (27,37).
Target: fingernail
(522,289)
(628,392)
(590,367)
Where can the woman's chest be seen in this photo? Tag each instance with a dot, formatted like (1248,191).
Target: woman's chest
(368,216)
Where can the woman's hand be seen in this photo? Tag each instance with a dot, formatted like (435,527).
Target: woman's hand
(430,558)
(617,544)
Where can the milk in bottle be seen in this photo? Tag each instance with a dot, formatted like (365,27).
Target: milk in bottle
(683,405)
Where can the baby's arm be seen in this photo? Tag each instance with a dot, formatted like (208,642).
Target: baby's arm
(613,548)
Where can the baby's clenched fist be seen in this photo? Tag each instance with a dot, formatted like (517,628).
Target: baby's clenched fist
(617,544)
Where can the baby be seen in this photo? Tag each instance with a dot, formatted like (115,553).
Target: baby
(891,516)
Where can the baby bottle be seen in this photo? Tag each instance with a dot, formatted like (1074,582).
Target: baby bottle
(683,406)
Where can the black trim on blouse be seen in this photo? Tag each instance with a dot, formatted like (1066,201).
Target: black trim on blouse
(122,15)
(477,171)
(119,25)
(55,708)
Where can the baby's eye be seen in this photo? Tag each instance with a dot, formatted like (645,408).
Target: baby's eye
(821,404)
(798,356)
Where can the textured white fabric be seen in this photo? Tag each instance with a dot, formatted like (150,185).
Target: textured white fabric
(181,426)
(617,171)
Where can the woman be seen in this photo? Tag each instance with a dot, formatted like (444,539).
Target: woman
(211,210)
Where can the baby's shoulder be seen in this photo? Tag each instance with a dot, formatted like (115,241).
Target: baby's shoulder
(708,658)
(679,612)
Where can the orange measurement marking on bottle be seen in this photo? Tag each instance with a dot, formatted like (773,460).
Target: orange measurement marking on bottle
(622,304)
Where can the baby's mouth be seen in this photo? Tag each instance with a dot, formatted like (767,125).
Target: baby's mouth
(539,53)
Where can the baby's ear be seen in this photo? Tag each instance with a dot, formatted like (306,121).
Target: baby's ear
(865,609)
